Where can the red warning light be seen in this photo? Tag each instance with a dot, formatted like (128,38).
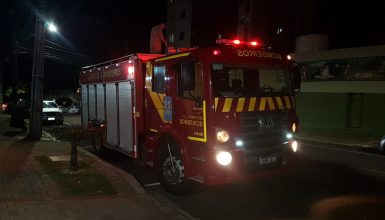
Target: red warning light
(254,43)
(216,52)
(130,70)
(236,41)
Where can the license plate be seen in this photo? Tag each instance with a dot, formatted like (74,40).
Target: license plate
(267,160)
(51,119)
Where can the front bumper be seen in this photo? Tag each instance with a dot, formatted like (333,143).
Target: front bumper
(248,165)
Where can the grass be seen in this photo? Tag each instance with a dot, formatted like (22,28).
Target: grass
(85,182)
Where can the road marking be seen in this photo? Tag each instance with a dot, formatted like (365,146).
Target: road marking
(152,184)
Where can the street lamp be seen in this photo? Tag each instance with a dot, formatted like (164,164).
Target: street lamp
(51,27)
(37,86)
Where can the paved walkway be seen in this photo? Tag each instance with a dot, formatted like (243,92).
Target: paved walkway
(27,192)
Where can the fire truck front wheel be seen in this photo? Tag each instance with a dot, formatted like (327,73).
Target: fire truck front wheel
(170,168)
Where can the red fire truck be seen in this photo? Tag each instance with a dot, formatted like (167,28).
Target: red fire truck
(206,115)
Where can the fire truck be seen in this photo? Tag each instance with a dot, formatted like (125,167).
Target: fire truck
(204,115)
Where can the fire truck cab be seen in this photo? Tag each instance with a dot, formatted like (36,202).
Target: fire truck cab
(209,115)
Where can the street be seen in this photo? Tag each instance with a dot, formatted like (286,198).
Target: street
(326,182)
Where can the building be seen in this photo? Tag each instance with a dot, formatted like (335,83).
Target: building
(192,23)
(268,21)
(343,89)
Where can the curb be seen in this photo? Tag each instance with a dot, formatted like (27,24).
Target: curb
(309,140)
(134,183)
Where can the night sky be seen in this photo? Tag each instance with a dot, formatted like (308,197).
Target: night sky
(92,31)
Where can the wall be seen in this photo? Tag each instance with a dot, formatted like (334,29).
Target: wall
(324,103)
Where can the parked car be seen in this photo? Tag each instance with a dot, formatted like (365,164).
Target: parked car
(64,109)
(52,112)
(382,144)
(74,108)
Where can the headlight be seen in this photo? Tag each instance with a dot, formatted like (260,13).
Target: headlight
(289,135)
(223,136)
(239,143)
(224,158)
(294,127)
(294,146)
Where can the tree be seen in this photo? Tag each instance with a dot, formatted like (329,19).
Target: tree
(74,134)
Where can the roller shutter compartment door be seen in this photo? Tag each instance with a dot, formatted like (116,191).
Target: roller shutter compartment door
(112,128)
(84,105)
(125,116)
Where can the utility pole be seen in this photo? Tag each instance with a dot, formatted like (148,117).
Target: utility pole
(15,72)
(37,86)
(1,78)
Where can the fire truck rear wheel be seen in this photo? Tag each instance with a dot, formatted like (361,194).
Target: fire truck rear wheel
(170,169)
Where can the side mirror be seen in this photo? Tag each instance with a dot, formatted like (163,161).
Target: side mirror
(296,78)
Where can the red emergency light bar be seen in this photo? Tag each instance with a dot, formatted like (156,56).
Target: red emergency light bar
(238,42)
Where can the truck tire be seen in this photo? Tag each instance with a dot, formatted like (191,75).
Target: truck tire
(170,168)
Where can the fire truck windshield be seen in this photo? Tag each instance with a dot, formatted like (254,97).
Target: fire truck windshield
(248,80)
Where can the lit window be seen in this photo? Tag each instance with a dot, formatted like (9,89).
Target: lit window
(171,38)
(279,30)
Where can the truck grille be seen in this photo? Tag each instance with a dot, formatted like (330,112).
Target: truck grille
(264,135)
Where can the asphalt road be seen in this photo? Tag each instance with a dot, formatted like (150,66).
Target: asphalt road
(327,182)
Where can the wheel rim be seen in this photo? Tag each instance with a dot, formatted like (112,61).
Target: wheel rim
(173,170)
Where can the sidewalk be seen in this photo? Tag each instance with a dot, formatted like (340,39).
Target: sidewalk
(27,192)
(340,138)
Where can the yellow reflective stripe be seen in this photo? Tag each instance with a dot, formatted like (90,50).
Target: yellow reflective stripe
(279,102)
(148,75)
(241,103)
(262,104)
(227,105)
(252,104)
(204,139)
(287,100)
(216,104)
(172,57)
(271,103)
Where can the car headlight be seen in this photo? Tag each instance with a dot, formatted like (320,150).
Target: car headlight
(223,136)
(224,158)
